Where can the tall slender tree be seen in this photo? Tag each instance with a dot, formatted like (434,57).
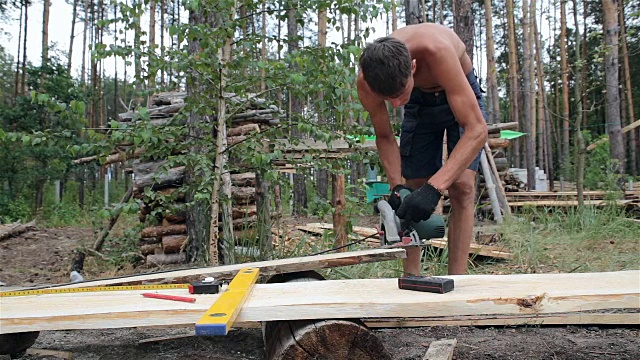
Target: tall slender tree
(612,94)
(16,86)
(295,109)
(23,80)
(463,23)
(492,78)
(45,31)
(565,84)
(628,91)
(527,98)
(72,35)
(513,75)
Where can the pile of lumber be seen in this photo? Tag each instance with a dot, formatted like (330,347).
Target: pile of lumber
(629,199)
(163,240)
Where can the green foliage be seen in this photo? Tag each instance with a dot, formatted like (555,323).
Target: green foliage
(577,239)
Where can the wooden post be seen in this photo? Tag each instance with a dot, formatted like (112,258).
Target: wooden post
(488,180)
(502,197)
(339,203)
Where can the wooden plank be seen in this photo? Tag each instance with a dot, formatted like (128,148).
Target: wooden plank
(50,353)
(494,251)
(475,295)
(568,203)
(271,267)
(441,350)
(625,319)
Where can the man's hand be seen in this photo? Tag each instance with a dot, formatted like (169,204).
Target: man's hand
(394,198)
(420,204)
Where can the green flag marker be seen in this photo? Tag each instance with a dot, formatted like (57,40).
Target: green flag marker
(509,134)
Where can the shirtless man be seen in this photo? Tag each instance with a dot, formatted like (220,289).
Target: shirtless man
(425,68)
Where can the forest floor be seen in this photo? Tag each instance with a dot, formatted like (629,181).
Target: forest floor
(44,256)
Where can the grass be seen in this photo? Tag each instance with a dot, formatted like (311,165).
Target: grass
(574,240)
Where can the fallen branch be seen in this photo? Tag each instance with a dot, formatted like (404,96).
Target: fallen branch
(10,230)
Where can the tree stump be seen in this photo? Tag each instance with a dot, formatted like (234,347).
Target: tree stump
(15,344)
(335,339)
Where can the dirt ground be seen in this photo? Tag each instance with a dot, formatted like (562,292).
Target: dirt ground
(44,257)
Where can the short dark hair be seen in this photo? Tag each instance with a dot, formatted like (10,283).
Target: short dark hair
(386,66)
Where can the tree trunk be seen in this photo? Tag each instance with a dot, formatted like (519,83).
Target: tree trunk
(221,177)
(322,175)
(339,202)
(198,214)
(85,30)
(492,88)
(72,36)
(545,122)
(612,95)
(527,98)
(45,31)
(263,201)
(17,77)
(412,12)
(633,139)
(565,87)
(162,27)
(152,44)
(23,81)
(513,73)
(580,147)
(463,23)
(295,110)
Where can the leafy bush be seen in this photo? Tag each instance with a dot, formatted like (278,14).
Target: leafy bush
(13,210)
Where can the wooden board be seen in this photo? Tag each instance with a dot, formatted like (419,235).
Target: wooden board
(500,295)
(494,251)
(441,350)
(512,320)
(266,268)
(568,203)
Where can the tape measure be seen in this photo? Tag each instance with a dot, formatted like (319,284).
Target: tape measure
(93,289)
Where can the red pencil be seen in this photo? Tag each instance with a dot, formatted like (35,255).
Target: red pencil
(169,297)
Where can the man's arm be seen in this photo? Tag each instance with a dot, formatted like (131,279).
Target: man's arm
(447,72)
(385,139)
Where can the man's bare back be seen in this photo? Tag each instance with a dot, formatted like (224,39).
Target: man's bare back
(425,39)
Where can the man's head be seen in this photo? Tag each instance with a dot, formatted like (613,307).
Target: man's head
(387,67)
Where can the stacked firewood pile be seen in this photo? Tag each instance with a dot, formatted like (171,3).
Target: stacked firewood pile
(163,242)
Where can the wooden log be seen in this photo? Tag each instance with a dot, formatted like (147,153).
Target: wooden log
(475,295)
(266,268)
(151,249)
(247,179)
(243,195)
(149,240)
(245,211)
(10,230)
(243,130)
(178,218)
(173,177)
(164,111)
(244,222)
(496,128)
(166,259)
(232,140)
(498,143)
(143,168)
(319,339)
(168,98)
(155,231)
(173,243)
